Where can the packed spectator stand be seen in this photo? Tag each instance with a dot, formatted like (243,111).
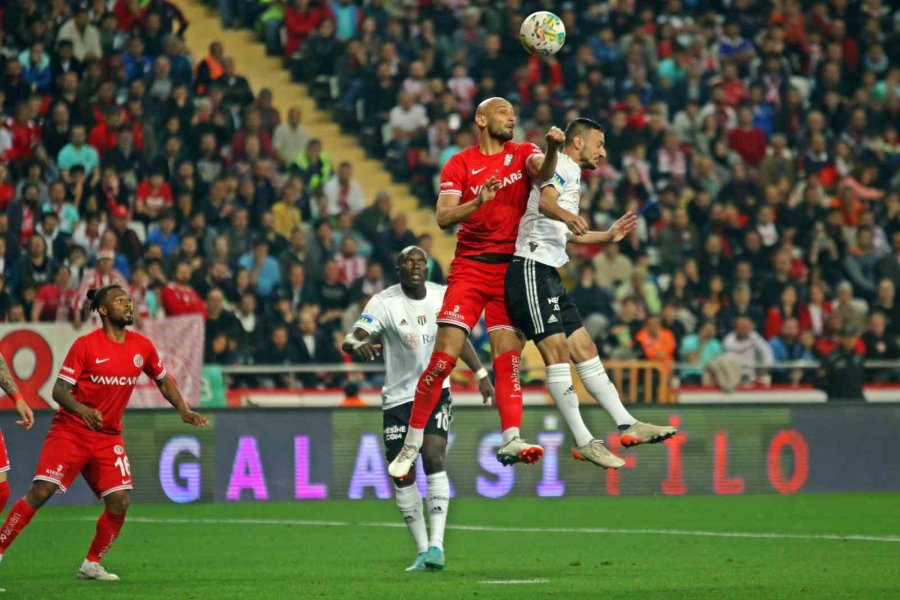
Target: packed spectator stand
(757,141)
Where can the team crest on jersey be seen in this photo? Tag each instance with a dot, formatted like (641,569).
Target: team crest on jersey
(138,361)
(118,449)
(421,319)
(507,160)
(410,340)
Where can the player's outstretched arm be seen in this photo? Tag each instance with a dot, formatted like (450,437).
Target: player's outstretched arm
(8,384)
(172,395)
(361,345)
(616,232)
(549,207)
(470,357)
(541,168)
(62,395)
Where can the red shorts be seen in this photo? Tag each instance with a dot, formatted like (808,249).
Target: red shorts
(99,457)
(473,287)
(4,457)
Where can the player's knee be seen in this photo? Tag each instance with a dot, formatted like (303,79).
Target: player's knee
(432,462)
(40,492)
(118,502)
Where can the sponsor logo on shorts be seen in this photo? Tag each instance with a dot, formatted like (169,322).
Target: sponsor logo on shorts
(55,473)
(113,380)
(118,449)
(394,432)
(138,361)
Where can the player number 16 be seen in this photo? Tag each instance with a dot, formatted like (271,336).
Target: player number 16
(122,463)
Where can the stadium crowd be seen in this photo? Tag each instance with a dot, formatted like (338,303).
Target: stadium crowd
(756,140)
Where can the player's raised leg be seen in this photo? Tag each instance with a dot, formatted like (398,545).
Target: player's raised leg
(601,388)
(447,348)
(507,341)
(109,525)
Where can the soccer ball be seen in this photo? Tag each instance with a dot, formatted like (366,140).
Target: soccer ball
(542,33)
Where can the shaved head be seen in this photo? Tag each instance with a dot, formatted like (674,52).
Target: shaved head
(496,118)
(485,106)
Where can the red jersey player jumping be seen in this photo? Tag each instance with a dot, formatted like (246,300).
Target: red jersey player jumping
(93,387)
(485,189)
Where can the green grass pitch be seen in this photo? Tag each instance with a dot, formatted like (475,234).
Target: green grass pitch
(275,550)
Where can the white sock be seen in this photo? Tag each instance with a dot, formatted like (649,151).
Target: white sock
(509,434)
(559,380)
(598,385)
(438,503)
(409,501)
(415,436)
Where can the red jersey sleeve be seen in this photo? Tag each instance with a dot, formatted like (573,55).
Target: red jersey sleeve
(453,176)
(526,150)
(153,364)
(74,362)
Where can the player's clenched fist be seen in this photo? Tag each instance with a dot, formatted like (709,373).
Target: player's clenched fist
(555,137)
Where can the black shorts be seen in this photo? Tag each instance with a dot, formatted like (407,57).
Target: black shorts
(396,420)
(537,302)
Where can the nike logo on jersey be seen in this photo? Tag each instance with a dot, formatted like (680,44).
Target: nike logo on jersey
(100,361)
(477,171)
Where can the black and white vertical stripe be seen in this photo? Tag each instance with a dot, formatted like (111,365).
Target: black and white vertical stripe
(531,295)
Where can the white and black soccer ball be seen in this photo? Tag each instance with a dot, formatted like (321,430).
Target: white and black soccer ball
(542,33)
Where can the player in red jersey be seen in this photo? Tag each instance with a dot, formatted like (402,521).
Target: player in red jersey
(8,385)
(93,387)
(484,189)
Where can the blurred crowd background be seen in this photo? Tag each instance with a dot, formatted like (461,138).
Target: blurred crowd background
(758,142)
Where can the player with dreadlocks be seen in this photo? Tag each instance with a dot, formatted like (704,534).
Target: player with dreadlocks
(92,389)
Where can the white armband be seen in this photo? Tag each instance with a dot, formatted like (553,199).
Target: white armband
(481,373)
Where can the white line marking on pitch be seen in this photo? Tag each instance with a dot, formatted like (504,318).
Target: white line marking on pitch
(514,581)
(500,528)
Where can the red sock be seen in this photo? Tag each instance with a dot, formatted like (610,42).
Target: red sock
(428,390)
(19,516)
(108,528)
(508,389)
(4,494)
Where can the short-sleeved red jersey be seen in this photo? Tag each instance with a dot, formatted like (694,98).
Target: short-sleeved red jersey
(494,226)
(104,374)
